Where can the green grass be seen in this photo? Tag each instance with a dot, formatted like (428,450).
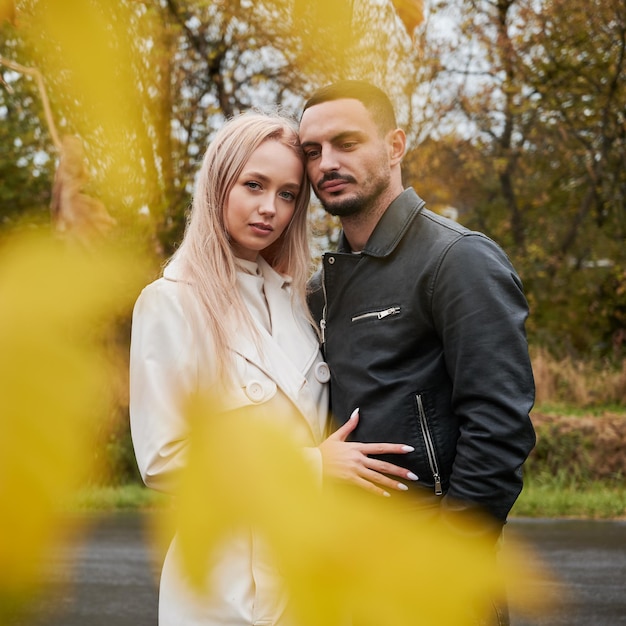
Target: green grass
(557,408)
(560,497)
(124,497)
(545,497)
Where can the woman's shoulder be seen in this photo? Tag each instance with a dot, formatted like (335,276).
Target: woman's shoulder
(162,295)
(169,283)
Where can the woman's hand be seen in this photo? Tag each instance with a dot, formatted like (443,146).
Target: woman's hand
(349,461)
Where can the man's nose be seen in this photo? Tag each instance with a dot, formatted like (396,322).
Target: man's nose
(328,160)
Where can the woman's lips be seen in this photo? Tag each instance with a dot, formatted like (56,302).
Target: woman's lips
(262,228)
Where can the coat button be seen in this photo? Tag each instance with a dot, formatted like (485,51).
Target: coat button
(254,391)
(322,372)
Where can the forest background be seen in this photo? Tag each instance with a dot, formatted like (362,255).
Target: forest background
(516,123)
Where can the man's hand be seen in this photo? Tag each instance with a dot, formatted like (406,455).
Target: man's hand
(349,461)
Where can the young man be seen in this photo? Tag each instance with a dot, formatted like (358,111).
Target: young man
(422,319)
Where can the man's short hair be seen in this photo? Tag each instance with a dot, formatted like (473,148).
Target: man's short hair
(375,100)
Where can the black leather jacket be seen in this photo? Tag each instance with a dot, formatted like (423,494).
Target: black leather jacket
(424,332)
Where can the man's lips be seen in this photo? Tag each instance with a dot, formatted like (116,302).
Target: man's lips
(334,183)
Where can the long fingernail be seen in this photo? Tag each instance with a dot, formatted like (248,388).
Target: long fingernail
(387,495)
(407,448)
(354,413)
(402,487)
(412,476)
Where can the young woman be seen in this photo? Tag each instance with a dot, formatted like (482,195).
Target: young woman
(229,316)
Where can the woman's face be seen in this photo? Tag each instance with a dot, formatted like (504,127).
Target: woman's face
(262,202)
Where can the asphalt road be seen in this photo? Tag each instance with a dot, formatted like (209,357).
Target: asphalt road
(588,561)
(109,577)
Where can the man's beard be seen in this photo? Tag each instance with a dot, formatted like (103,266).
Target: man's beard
(345,207)
(337,206)
(360,204)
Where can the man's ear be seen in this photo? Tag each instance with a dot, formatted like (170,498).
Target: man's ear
(397,145)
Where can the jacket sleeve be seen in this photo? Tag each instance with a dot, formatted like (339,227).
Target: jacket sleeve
(480,311)
(163,373)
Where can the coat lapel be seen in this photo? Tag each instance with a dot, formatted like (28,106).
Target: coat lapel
(287,355)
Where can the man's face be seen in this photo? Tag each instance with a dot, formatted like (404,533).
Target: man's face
(348,159)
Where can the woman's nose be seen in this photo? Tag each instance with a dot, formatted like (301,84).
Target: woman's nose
(267,206)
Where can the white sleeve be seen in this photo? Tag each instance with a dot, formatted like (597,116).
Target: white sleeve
(163,373)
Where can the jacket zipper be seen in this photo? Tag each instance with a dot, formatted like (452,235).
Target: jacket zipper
(394,310)
(430,446)
(323,320)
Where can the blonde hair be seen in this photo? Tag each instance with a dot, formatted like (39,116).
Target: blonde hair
(205,257)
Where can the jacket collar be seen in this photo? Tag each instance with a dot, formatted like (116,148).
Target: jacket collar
(291,341)
(391,226)
(172,272)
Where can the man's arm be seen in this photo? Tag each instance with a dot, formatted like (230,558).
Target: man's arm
(480,311)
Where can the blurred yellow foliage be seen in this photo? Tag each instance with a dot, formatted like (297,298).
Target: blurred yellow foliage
(7,11)
(411,12)
(54,382)
(84,50)
(55,300)
(336,551)
(94,48)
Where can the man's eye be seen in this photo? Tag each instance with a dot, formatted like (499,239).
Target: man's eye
(311,154)
(348,145)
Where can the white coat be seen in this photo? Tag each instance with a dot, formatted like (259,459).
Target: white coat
(172,357)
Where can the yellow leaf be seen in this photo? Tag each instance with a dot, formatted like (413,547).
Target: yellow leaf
(337,552)
(53,387)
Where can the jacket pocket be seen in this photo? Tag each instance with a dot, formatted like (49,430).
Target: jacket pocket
(378,314)
(429,442)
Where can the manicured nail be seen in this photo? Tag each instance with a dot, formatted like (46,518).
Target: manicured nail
(402,487)
(407,448)
(354,413)
(412,476)
(387,495)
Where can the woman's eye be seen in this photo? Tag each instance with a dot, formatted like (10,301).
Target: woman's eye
(252,185)
(288,195)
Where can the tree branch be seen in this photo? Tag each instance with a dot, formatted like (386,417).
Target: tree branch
(36,74)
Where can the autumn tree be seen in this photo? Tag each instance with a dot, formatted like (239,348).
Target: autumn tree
(531,151)
(576,69)
(26,168)
(229,56)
